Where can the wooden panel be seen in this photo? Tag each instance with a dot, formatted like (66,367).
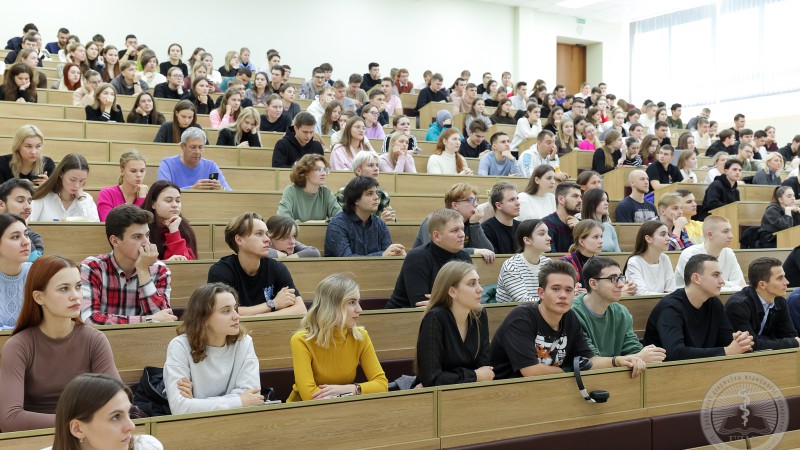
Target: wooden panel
(440,184)
(626,235)
(57,148)
(154,152)
(574,162)
(27,440)
(102,174)
(747,192)
(789,238)
(428,112)
(32,110)
(50,127)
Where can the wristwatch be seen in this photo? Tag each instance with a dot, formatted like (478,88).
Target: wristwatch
(148,319)
(271,304)
(358,389)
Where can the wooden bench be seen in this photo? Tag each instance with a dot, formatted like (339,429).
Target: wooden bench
(741,214)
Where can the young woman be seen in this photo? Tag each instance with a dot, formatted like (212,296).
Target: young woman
(195,58)
(717,166)
(307,198)
(565,138)
(649,149)
(330,118)
(453,340)
(615,124)
(211,365)
(502,114)
(373,129)
(27,159)
(199,70)
(519,277)
(398,159)
(476,112)
(15,249)
(175,52)
(580,127)
(553,119)
(170,231)
(244,59)
(283,243)
(329,347)
(352,142)
(588,238)
(445,158)
(172,88)
(686,163)
(771,143)
(631,156)
(129,189)
(661,115)
(93,412)
(198,95)
(76,53)
(259,92)
(781,214)
(105,108)
(548,103)
(590,141)
(184,115)
(231,66)
(71,78)
(771,173)
(275,119)
(150,72)
(649,267)
(402,124)
(636,131)
(18,84)
(243,133)
(286,92)
(144,111)
(491,91)
(229,109)
(50,328)
(527,127)
(686,142)
(84,95)
(713,127)
(61,197)
(93,58)
(595,207)
(538,200)
(609,157)
(214,77)
(31,59)
(111,58)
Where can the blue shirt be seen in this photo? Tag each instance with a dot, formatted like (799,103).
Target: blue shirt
(174,170)
(347,236)
(490,166)
(767,307)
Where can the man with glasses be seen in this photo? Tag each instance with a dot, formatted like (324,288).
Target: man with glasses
(189,169)
(608,325)
(578,109)
(310,89)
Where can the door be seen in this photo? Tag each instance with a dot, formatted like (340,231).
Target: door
(570,66)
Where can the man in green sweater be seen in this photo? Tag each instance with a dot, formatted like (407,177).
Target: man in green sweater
(607,325)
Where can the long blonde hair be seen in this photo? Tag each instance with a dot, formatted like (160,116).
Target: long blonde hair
(125,158)
(392,139)
(25,132)
(249,112)
(325,320)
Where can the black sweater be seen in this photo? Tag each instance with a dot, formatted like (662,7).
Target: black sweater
(418,272)
(599,161)
(281,125)
(162,90)
(426,96)
(166,65)
(6,174)
(227,137)
(134,117)
(20,94)
(745,312)
(165,133)
(202,108)
(97,115)
(287,150)
(719,193)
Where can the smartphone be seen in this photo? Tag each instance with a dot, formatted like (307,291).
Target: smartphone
(213,176)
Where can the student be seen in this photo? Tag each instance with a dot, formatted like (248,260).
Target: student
(589,179)
(770,174)
(723,190)
(761,309)
(298,142)
(590,143)
(175,52)
(635,208)
(70,78)
(607,158)
(686,164)
(691,323)
(144,111)
(329,123)
(528,127)
(718,236)
(49,327)
(283,243)
(587,237)
(419,269)
(663,172)
(189,169)
(519,276)
(169,231)
(373,128)
(329,347)
(565,137)
(18,85)
(259,91)
(475,145)
(228,111)
(149,65)
(607,325)
(16,197)
(402,124)
(129,82)
(130,187)
(502,114)
(275,119)
(560,223)
(27,159)
(782,213)
(352,142)
(105,107)
(286,92)
(543,152)
(724,144)
(394,106)
(670,212)
(15,249)
(244,132)
(356,231)
(501,229)
(538,200)
(694,228)
(445,158)
(500,161)
(62,195)
(199,96)
(443,122)
(112,69)
(95,408)
(31,58)
(595,207)
(307,198)
(453,342)
(648,266)
(431,93)
(184,116)
(211,365)
(398,158)
(366,164)
(717,167)
(543,338)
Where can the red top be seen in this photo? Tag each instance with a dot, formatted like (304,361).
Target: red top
(175,244)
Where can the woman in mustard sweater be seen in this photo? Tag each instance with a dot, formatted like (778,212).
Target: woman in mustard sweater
(329,346)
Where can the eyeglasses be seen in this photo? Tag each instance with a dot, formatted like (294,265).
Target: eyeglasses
(471,200)
(374,113)
(321,170)
(614,279)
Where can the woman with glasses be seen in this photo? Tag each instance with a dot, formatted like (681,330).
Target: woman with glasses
(649,267)
(353,141)
(307,198)
(373,130)
(173,87)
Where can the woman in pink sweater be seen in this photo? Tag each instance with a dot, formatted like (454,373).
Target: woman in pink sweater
(132,167)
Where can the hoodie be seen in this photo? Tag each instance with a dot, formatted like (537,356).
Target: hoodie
(288,150)
(719,193)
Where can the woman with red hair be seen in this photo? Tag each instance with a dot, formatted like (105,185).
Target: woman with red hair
(49,328)
(71,79)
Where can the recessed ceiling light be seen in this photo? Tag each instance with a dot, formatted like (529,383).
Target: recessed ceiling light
(575,4)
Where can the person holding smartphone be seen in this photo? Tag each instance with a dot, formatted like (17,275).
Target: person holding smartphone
(189,169)
(27,158)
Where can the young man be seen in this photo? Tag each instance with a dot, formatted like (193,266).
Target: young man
(357,231)
(354,91)
(339,93)
(317,106)
(560,223)
(475,145)
(705,114)
(585,91)
(560,94)
(501,230)
(487,77)
(500,161)
(663,172)
(420,267)
(464,104)
(761,310)
(457,92)
(691,323)
(244,75)
(310,89)
(131,51)
(366,164)
(130,284)
(59,44)
(402,84)
(694,228)
(297,142)
(738,125)
(702,138)
(662,133)
(578,109)
(189,169)
(544,151)
(371,78)
(277,71)
(264,285)
(718,236)
(30,41)
(760,145)
(670,212)
(648,114)
(745,157)
(393,107)
(607,325)
(674,120)
(723,190)
(129,82)
(634,208)
(378,98)
(432,93)
(789,152)
(16,197)
(520,99)
(328,69)
(724,144)
(543,338)
(463,198)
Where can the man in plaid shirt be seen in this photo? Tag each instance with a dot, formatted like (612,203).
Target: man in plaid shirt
(128,285)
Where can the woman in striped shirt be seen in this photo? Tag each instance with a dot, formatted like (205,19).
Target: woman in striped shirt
(519,276)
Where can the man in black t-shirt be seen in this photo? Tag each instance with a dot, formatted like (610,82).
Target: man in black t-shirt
(264,285)
(475,145)
(501,230)
(542,339)
(663,171)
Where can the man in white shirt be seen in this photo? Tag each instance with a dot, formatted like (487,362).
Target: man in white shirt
(718,237)
(543,152)
(520,100)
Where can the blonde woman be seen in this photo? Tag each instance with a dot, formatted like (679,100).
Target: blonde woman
(353,141)
(105,107)
(129,188)
(398,159)
(329,347)
(771,173)
(27,159)
(231,66)
(453,341)
(565,138)
(243,133)
(229,109)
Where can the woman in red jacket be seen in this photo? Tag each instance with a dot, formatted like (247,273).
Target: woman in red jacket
(171,232)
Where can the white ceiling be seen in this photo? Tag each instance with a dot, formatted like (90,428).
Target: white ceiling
(613,11)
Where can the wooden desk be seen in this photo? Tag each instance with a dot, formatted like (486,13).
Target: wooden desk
(789,238)
(741,214)
(575,162)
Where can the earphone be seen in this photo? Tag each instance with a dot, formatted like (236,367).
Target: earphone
(581,363)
